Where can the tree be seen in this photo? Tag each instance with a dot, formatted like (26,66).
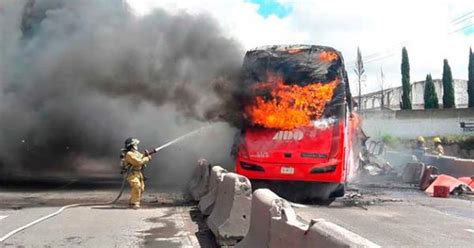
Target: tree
(470,81)
(448,89)
(406,87)
(359,71)
(382,93)
(430,97)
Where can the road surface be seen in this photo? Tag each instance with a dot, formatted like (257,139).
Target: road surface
(401,217)
(390,217)
(164,221)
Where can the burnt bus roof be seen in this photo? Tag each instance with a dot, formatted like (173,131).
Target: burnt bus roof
(297,64)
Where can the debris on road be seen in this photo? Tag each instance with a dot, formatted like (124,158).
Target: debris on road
(449,182)
(370,161)
(429,175)
(361,200)
(441,191)
(467,180)
(423,171)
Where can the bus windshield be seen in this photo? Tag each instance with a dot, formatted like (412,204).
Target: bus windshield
(287,87)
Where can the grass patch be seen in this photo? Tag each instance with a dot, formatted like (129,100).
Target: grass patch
(390,140)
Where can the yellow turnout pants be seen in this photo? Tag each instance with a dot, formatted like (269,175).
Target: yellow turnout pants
(137,186)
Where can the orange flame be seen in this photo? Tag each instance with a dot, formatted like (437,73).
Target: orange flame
(328,56)
(290,106)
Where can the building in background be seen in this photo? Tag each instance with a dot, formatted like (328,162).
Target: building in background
(392,96)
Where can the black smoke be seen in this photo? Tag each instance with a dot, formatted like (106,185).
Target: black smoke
(78,77)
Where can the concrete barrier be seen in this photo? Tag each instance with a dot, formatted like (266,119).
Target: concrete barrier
(264,202)
(206,204)
(321,233)
(452,166)
(275,224)
(229,220)
(198,185)
(464,166)
(442,162)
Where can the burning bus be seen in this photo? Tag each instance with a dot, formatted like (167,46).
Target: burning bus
(296,139)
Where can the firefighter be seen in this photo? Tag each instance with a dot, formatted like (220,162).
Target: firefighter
(438,148)
(420,143)
(134,162)
(420,147)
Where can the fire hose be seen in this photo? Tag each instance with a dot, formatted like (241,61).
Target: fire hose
(122,187)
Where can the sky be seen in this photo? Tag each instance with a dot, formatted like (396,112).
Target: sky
(431,30)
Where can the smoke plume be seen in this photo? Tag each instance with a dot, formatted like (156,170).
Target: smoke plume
(79,77)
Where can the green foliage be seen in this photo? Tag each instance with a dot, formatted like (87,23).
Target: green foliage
(430,97)
(448,89)
(470,81)
(465,142)
(390,140)
(406,87)
(359,71)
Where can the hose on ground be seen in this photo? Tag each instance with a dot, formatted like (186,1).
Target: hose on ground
(122,187)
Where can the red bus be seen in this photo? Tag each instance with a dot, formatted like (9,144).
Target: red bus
(296,139)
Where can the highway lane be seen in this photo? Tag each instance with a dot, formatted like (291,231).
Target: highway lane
(164,221)
(402,218)
(396,217)
(104,227)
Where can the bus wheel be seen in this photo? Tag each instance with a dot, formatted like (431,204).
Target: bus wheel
(339,191)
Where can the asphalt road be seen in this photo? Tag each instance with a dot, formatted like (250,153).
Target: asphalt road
(390,217)
(164,221)
(401,217)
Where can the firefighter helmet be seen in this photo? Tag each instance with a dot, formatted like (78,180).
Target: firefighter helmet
(131,142)
(420,139)
(436,140)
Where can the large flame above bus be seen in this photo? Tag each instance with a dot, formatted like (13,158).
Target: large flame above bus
(288,106)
